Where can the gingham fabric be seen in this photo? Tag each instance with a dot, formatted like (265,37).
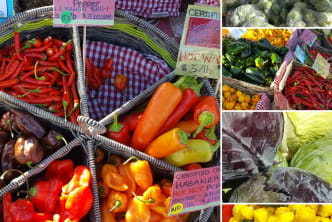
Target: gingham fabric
(142,71)
(264,103)
(209,2)
(150,8)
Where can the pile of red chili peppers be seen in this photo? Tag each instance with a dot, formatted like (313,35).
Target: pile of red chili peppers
(41,72)
(306,90)
(63,194)
(314,54)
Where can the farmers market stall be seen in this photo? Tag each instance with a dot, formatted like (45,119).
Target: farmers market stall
(276,69)
(69,160)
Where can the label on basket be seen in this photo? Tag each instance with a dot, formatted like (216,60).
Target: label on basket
(6,9)
(83,12)
(321,66)
(199,53)
(195,190)
(308,37)
(300,55)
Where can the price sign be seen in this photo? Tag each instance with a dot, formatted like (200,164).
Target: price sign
(308,37)
(6,9)
(321,66)
(83,12)
(300,55)
(195,190)
(199,53)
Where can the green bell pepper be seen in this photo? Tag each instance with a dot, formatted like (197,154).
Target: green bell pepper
(275,58)
(259,62)
(237,47)
(196,151)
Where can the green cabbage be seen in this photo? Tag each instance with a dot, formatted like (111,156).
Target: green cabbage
(316,157)
(302,128)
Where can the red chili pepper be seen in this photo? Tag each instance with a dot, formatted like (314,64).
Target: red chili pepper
(63,66)
(45,194)
(3,66)
(93,75)
(11,68)
(17,45)
(131,120)
(8,83)
(188,101)
(48,63)
(120,82)
(206,113)
(58,42)
(43,100)
(47,40)
(69,64)
(57,168)
(35,81)
(118,131)
(18,71)
(38,49)
(66,95)
(61,52)
(38,55)
(75,98)
(50,51)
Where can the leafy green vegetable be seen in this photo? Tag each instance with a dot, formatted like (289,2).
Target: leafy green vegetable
(316,158)
(304,127)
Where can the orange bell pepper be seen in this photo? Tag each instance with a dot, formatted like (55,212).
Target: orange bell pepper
(166,187)
(160,107)
(141,171)
(169,142)
(117,202)
(188,126)
(113,179)
(124,171)
(137,211)
(105,215)
(154,193)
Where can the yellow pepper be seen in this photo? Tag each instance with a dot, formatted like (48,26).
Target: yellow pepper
(247,212)
(325,210)
(273,219)
(305,214)
(261,215)
(286,217)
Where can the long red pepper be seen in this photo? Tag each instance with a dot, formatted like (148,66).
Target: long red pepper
(17,45)
(8,83)
(48,99)
(189,100)
(40,49)
(75,99)
(10,70)
(66,95)
(18,71)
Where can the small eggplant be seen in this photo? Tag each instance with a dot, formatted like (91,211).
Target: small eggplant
(28,125)
(52,141)
(28,150)
(8,122)
(8,160)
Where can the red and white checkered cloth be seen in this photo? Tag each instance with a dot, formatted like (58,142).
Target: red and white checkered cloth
(142,71)
(264,103)
(150,8)
(208,2)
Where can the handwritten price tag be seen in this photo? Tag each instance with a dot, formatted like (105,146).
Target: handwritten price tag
(321,66)
(300,55)
(195,190)
(308,37)
(83,12)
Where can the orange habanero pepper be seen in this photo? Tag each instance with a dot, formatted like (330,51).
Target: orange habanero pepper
(141,171)
(124,171)
(117,202)
(105,215)
(166,186)
(155,194)
(113,179)
(160,107)
(137,211)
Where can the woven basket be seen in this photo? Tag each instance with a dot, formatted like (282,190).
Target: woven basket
(38,22)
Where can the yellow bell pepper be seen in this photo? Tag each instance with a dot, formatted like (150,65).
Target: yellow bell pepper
(273,219)
(305,214)
(261,215)
(287,217)
(325,210)
(247,212)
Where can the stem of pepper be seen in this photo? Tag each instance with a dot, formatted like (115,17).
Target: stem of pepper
(35,72)
(150,200)
(130,159)
(2,177)
(59,71)
(29,91)
(205,118)
(183,137)
(116,205)
(60,137)
(115,126)
(216,146)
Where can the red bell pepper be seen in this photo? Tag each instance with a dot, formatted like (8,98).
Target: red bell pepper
(62,169)
(208,135)
(45,194)
(188,101)
(120,82)
(76,198)
(131,120)
(206,113)
(119,131)
(227,212)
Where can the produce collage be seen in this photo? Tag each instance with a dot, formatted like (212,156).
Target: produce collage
(276,111)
